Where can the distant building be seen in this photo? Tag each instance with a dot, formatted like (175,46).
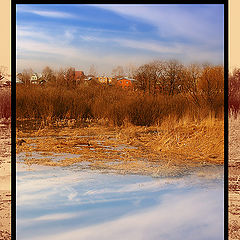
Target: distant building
(125,82)
(18,78)
(89,80)
(104,79)
(79,75)
(4,80)
(35,78)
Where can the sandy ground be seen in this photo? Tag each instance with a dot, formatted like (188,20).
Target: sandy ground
(234,178)
(5,184)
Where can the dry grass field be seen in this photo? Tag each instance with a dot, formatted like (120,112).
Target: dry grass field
(172,148)
(129,131)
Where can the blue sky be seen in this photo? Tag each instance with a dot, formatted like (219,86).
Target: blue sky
(120,34)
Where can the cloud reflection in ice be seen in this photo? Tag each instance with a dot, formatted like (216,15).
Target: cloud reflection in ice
(89,205)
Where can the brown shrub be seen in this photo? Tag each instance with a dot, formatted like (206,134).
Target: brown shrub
(234,92)
(118,106)
(5,103)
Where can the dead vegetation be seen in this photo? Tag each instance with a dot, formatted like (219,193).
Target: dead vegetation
(172,121)
(234,92)
(163,89)
(5,104)
(157,150)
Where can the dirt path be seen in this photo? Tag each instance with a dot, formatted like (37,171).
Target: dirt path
(234,178)
(5,178)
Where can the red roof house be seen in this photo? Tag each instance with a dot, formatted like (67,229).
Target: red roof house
(127,83)
(79,75)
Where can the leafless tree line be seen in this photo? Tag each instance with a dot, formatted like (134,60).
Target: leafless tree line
(194,81)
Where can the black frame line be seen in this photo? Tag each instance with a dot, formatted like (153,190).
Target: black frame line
(13,90)
(13,120)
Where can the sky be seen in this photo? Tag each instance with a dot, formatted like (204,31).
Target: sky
(5,52)
(108,36)
(234,36)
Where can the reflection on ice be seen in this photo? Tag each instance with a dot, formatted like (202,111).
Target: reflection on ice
(64,203)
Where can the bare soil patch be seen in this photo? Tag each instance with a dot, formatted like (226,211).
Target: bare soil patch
(5,181)
(234,178)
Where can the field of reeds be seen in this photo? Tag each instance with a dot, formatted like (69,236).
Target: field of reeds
(116,106)
(168,129)
(162,89)
(5,103)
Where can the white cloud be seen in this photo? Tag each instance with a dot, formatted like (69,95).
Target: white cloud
(198,214)
(26,32)
(170,20)
(55,217)
(51,14)
(63,55)
(151,46)
(38,46)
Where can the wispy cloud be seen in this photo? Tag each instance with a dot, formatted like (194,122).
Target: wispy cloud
(55,217)
(158,47)
(59,49)
(186,33)
(49,14)
(53,14)
(174,20)
(28,33)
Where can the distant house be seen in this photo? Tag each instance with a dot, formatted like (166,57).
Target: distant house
(4,81)
(35,78)
(78,75)
(104,79)
(18,78)
(88,80)
(125,82)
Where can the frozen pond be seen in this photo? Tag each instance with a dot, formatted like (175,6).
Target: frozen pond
(71,203)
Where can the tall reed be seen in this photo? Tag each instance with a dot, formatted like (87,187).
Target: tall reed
(116,105)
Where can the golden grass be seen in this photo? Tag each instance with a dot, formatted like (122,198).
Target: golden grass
(170,148)
(59,107)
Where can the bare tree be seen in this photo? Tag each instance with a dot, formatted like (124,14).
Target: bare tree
(3,73)
(118,72)
(191,75)
(25,76)
(172,77)
(48,75)
(92,71)
(234,91)
(130,70)
(60,77)
(70,77)
(211,85)
(149,75)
